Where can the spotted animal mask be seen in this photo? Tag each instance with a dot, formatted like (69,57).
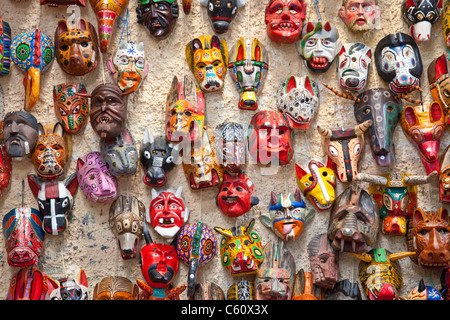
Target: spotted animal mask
(52,151)
(354,221)
(207,57)
(128,66)
(76,47)
(32,52)
(324,261)
(24,237)
(439,80)
(158,16)
(71,109)
(319,45)
(398,62)
(5,169)
(126,220)
(353,66)
(229,140)
(69,288)
(344,148)
(287,215)
(248,66)
(318,183)
(241,249)
(20,133)
(116,288)
(221,13)
(237,195)
(298,100)
(94,178)
(5,47)
(270,140)
(284,20)
(360,15)
(28,284)
(421,15)
(185,111)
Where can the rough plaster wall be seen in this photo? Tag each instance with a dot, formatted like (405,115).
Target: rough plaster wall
(89,244)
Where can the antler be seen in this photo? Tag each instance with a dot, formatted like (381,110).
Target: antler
(371,178)
(346,95)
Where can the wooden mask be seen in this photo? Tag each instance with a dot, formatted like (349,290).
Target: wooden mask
(439,80)
(324,261)
(360,15)
(5,169)
(28,284)
(229,140)
(116,288)
(444,177)
(222,12)
(208,291)
(429,239)
(76,47)
(284,20)
(421,15)
(20,133)
(241,290)
(446,25)
(5,48)
(158,16)
(423,292)
(354,63)
(75,288)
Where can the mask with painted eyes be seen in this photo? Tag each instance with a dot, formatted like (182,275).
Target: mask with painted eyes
(421,15)
(319,45)
(120,154)
(20,133)
(207,57)
(32,52)
(360,15)
(284,20)
(222,12)
(128,66)
(229,139)
(398,62)
(158,16)
(353,66)
(5,47)
(439,80)
(94,178)
(76,47)
(71,109)
(72,288)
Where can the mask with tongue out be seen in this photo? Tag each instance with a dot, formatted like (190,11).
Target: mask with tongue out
(319,45)
(287,215)
(354,221)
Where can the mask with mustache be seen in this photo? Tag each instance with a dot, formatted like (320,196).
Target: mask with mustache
(158,16)
(20,133)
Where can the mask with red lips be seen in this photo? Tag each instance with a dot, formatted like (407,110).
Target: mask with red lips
(284,19)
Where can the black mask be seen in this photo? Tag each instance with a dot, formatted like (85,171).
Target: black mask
(222,12)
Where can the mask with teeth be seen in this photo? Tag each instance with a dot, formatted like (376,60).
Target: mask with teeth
(94,178)
(319,45)
(158,16)
(354,221)
(353,66)
(284,20)
(324,261)
(222,12)
(270,140)
(5,169)
(237,195)
(207,57)
(241,249)
(20,133)
(421,15)
(168,212)
(360,15)
(398,62)
(428,237)
(229,139)
(287,215)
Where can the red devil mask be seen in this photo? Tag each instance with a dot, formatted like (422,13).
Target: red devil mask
(284,19)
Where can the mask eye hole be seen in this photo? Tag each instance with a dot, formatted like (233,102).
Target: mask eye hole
(367,111)
(390,108)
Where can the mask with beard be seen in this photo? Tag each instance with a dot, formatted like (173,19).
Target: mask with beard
(360,15)
(20,133)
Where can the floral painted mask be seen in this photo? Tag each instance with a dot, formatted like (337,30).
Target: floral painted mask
(353,66)
(20,133)
(360,15)
(421,15)
(284,20)
(158,16)
(207,57)
(76,47)
(71,109)
(222,12)
(5,47)
(229,139)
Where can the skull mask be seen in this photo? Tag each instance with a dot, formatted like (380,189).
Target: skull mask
(222,12)
(284,19)
(353,66)
(421,15)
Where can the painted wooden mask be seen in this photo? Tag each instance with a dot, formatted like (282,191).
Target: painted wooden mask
(380,273)
(158,16)
(202,167)
(120,154)
(324,261)
(94,178)
(424,127)
(71,109)
(270,140)
(240,249)
(287,215)
(52,151)
(421,15)
(128,66)
(384,110)
(423,292)
(229,140)
(344,148)
(237,195)
(126,220)
(196,246)
(444,177)
(360,15)
(398,62)
(55,3)
(318,183)
(284,20)
(185,111)
(168,212)
(24,236)
(20,133)
(75,288)
(107,13)
(32,52)
(319,45)
(241,290)
(157,156)
(5,47)
(221,13)
(439,80)
(5,169)
(28,284)
(429,238)
(208,291)
(275,278)
(76,47)
(207,57)
(248,66)
(353,66)
(298,100)
(55,199)
(446,25)
(116,288)
(354,221)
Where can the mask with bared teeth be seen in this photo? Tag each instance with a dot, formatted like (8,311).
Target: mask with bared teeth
(284,19)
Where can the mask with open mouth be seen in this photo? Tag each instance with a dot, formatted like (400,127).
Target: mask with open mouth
(319,45)
(353,66)
(158,16)
(20,133)
(284,20)
(287,215)
(360,15)
(222,12)
(421,15)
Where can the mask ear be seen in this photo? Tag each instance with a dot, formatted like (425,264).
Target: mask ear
(62,27)
(300,171)
(291,84)
(82,24)
(58,129)
(71,183)
(418,216)
(308,85)
(80,164)
(41,130)
(35,184)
